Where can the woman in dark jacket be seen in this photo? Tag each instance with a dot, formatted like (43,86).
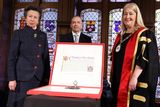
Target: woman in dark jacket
(28,60)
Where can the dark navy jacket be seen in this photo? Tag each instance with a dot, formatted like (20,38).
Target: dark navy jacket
(69,38)
(28,55)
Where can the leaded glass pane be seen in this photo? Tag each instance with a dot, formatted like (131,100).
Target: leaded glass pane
(48,24)
(120,0)
(91,0)
(50,0)
(114,23)
(157,28)
(92,24)
(19,20)
(25,0)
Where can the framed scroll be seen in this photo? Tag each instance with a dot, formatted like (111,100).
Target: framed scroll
(77,71)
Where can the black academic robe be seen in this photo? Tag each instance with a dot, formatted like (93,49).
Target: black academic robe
(140,49)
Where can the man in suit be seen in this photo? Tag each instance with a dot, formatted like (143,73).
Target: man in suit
(76,35)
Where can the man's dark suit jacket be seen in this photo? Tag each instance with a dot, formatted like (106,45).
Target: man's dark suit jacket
(28,55)
(69,38)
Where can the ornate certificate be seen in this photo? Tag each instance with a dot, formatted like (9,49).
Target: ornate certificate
(77,71)
(77,64)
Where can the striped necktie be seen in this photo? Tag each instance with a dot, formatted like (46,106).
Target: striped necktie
(76,39)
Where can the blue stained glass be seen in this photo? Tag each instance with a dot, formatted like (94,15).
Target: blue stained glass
(117,24)
(25,0)
(92,24)
(48,24)
(115,17)
(114,22)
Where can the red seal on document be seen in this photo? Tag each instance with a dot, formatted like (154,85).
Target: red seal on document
(65,58)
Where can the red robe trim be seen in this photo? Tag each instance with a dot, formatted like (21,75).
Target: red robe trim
(127,67)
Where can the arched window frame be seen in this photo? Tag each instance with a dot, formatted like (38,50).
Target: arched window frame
(92,24)
(48,24)
(115,17)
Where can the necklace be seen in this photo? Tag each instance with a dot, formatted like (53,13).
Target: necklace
(121,41)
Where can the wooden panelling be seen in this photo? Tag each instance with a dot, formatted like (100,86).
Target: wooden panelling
(1,8)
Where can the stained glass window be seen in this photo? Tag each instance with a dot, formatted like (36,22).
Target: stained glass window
(92,24)
(50,0)
(91,0)
(48,24)
(120,0)
(114,23)
(25,0)
(157,28)
(19,21)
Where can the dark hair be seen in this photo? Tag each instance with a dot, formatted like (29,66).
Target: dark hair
(32,8)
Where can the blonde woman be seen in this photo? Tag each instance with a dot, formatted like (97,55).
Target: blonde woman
(135,63)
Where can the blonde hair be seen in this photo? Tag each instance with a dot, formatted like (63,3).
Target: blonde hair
(139,20)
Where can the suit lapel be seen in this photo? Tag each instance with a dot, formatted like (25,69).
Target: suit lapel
(81,38)
(71,37)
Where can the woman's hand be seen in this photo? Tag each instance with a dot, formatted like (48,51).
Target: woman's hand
(12,85)
(132,83)
(134,78)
